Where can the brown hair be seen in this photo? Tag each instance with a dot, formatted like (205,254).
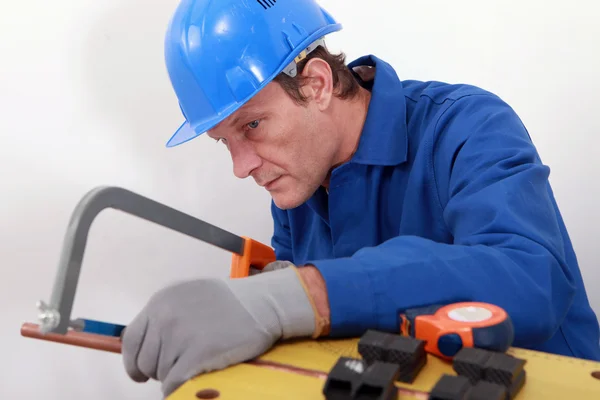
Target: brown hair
(344,84)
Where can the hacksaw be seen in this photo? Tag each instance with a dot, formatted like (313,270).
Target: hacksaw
(55,317)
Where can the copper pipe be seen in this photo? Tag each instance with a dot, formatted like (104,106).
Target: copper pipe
(113,344)
(82,339)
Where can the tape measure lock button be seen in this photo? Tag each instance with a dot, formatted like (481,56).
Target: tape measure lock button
(469,313)
(449,344)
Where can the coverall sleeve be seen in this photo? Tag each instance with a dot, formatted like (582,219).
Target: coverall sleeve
(281,241)
(507,247)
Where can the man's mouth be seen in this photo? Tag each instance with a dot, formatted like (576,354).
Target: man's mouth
(268,185)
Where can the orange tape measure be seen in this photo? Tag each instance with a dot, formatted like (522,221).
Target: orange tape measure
(446,329)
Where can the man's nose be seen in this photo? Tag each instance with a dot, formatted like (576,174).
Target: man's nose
(244,158)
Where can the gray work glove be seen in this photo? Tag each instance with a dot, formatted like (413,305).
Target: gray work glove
(272,266)
(209,324)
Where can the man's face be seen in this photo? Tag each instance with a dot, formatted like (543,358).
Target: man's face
(287,148)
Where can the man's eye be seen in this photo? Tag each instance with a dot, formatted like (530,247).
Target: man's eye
(253,124)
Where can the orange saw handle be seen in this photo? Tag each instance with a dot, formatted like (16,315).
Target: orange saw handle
(446,329)
(255,254)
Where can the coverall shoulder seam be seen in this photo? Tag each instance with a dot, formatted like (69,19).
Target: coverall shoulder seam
(440,100)
(435,137)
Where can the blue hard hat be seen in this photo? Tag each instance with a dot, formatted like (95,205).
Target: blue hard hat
(220,53)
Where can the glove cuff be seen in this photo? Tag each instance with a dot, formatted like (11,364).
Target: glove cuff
(279,300)
(321,322)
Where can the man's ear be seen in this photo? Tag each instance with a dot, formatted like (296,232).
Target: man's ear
(318,82)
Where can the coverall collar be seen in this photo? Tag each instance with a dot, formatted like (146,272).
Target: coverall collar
(384,137)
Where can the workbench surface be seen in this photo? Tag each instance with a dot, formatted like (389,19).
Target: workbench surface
(298,370)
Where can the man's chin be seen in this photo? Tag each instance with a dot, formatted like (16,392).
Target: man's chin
(284,201)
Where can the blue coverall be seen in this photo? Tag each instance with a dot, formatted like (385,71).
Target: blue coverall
(445,200)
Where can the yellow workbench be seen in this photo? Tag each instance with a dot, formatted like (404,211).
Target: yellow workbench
(297,370)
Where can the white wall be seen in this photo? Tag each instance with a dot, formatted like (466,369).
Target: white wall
(85,101)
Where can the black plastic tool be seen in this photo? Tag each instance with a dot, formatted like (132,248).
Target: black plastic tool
(487,391)
(354,379)
(377,382)
(406,352)
(470,362)
(495,367)
(343,378)
(450,387)
(503,368)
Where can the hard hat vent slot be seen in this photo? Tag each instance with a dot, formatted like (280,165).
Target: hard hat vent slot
(266,3)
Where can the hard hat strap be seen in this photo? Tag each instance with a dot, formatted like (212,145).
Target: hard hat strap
(292,68)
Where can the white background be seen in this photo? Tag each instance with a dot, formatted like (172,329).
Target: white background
(85,101)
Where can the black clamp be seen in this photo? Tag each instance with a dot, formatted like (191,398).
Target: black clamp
(406,352)
(481,374)
(352,378)
(386,359)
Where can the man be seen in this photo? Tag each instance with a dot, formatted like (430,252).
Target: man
(387,195)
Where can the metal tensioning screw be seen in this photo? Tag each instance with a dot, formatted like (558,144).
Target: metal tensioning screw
(49,317)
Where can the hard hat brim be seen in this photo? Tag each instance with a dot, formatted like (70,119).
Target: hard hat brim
(183,134)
